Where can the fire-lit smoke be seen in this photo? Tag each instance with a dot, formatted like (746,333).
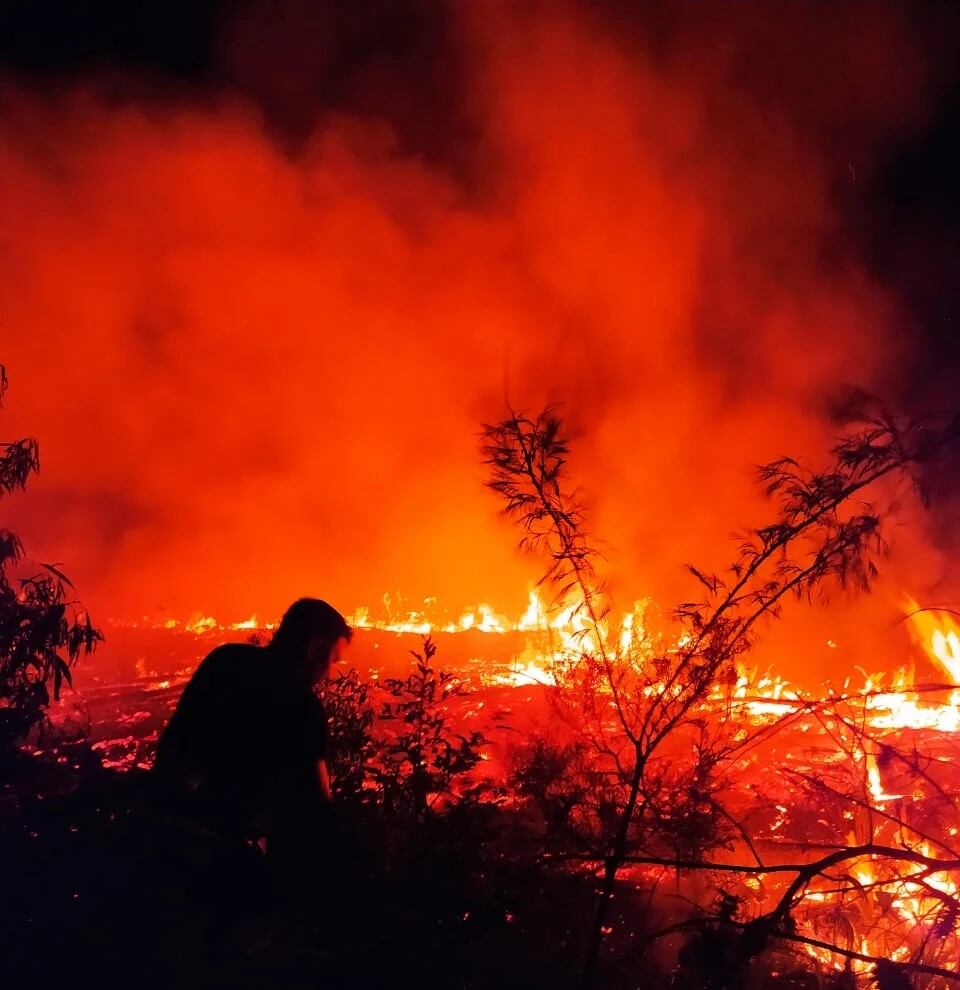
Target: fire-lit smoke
(258,372)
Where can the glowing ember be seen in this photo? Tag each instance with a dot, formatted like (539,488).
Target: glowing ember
(874,782)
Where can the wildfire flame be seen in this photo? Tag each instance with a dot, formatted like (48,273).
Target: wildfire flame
(898,901)
(561,633)
(937,631)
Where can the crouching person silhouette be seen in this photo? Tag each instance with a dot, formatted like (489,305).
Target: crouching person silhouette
(244,754)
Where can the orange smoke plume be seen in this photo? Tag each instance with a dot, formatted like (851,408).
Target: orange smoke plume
(258,373)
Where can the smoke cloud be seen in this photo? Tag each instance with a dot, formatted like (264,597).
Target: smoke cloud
(257,368)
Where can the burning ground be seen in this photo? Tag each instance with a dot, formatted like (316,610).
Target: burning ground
(639,757)
(862,771)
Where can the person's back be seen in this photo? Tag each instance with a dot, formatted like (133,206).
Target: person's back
(244,752)
(242,738)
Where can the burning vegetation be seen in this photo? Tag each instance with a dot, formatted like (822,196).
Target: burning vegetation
(724,823)
(662,736)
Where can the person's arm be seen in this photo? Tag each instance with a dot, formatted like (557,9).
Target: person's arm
(323,779)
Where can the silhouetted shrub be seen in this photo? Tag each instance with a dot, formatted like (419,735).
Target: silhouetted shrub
(43,630)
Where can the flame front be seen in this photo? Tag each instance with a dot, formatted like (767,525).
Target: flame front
(561,633)
(898,904)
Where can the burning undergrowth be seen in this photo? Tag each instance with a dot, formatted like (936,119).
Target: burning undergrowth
(726,822)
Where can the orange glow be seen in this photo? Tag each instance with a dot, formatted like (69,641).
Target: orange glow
(257,367)
(275,362)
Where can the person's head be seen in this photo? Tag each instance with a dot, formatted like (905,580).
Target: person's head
(312,635)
